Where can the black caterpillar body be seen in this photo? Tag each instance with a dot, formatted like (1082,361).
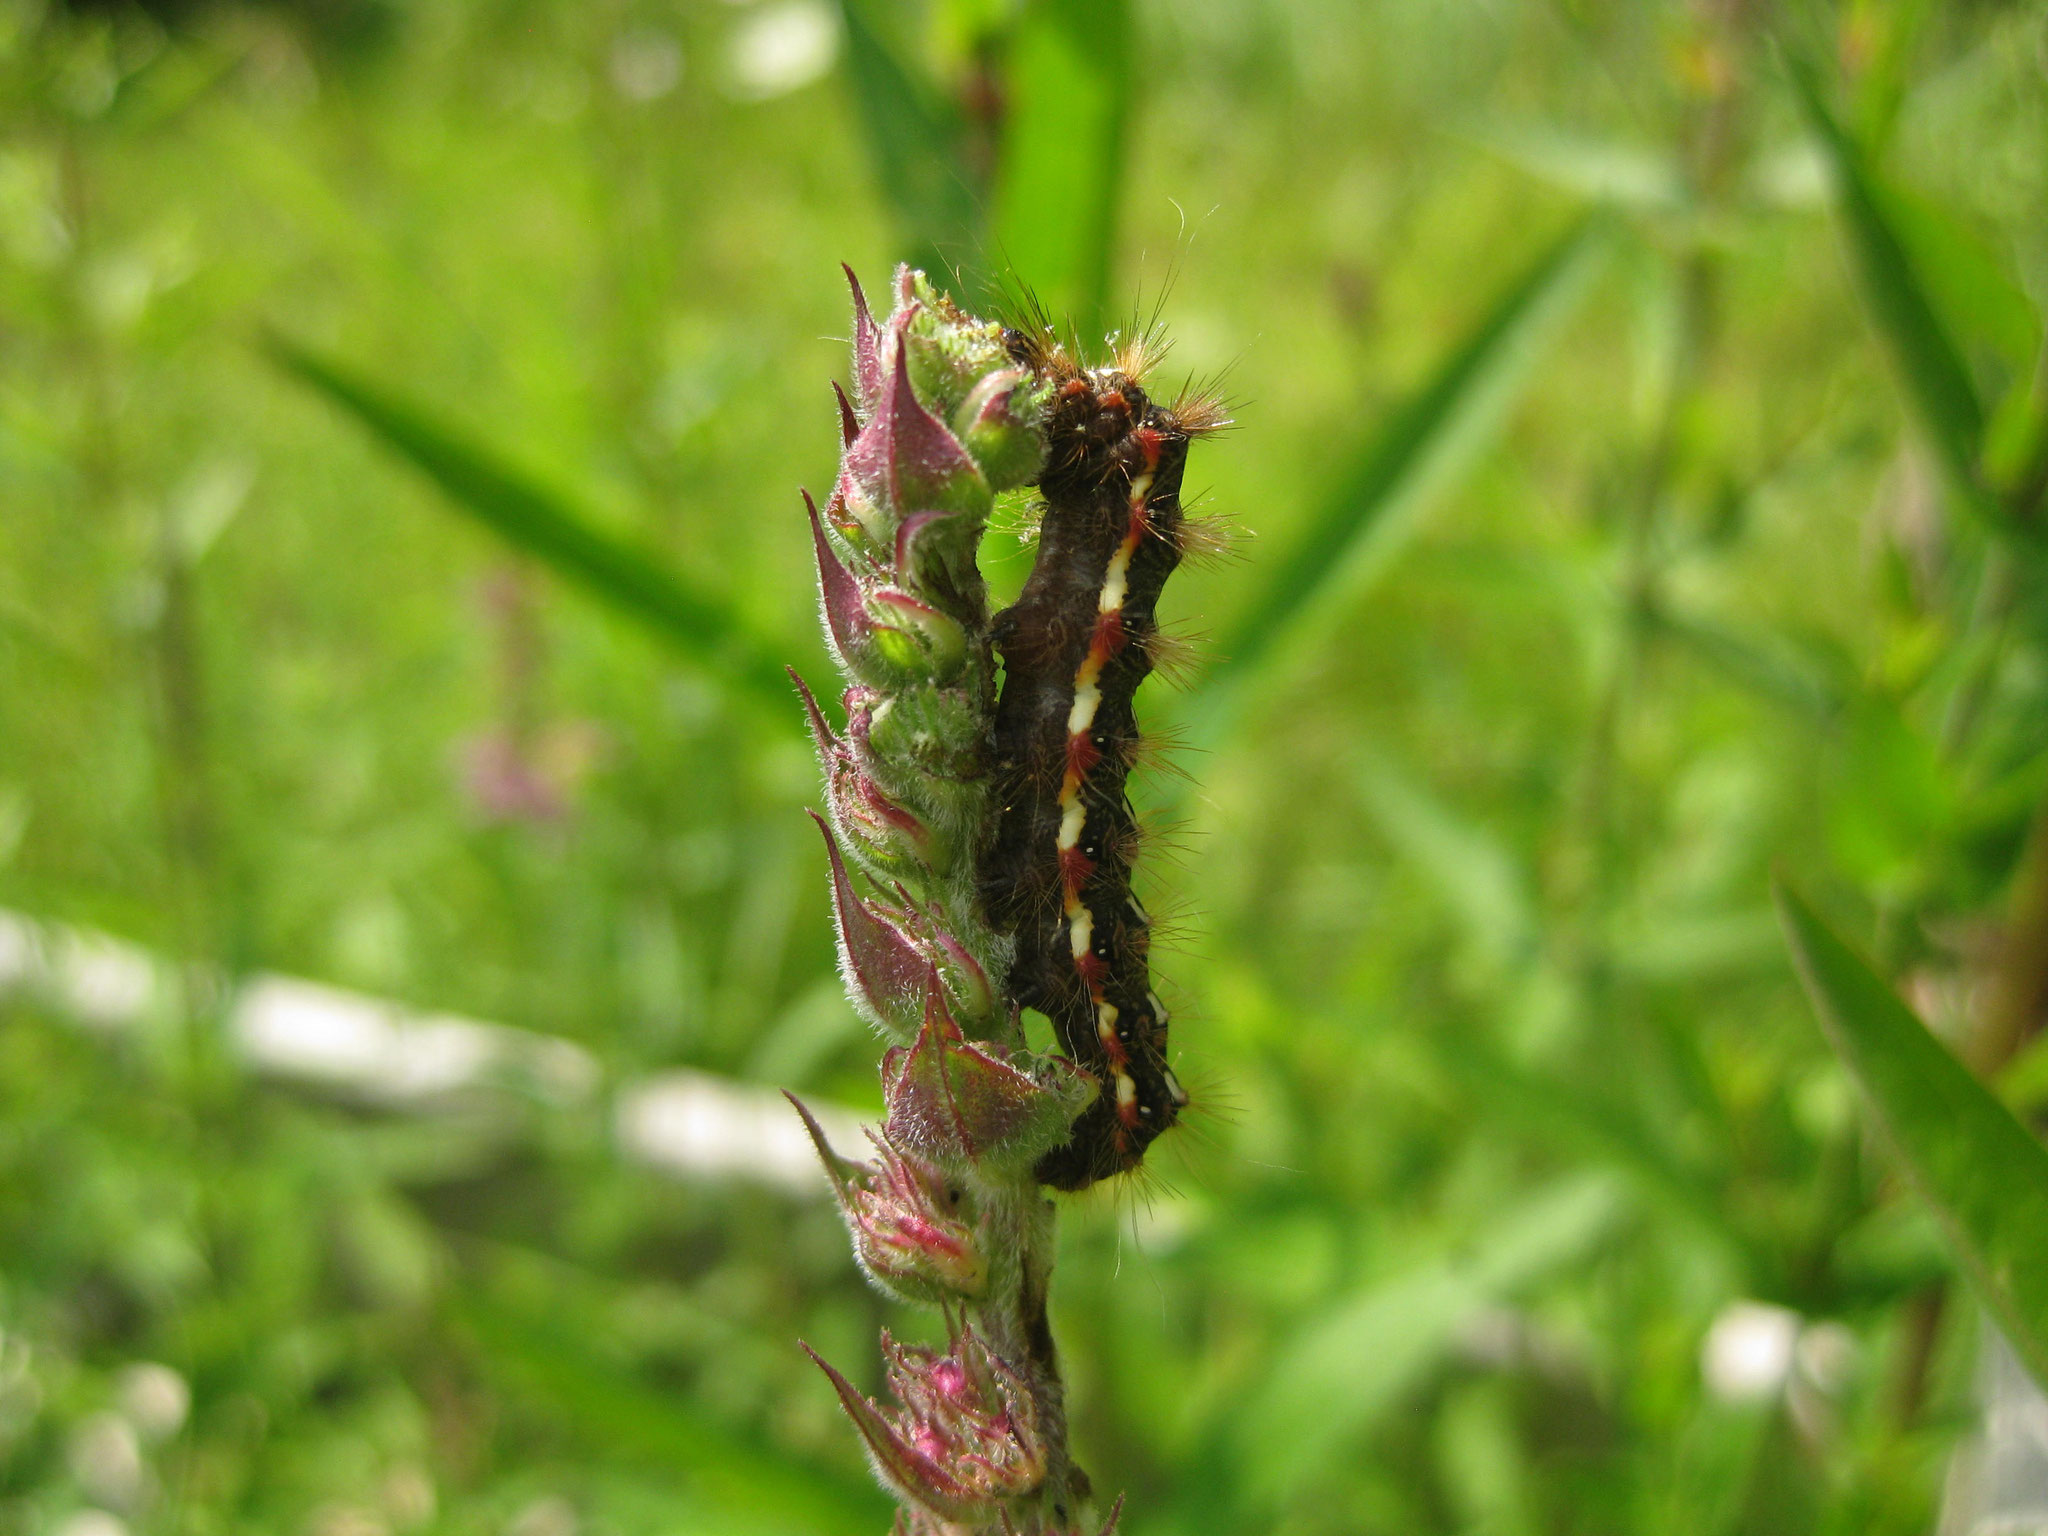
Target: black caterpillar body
(1075,646)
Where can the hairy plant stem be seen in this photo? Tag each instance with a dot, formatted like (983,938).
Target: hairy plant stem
(1018,1328)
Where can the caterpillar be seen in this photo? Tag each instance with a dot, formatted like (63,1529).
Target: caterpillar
(1076,644)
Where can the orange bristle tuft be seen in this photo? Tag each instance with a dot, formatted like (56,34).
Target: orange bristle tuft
(1175,654)
(1208,541)
(1202,410)
(1136,355)
(1173,921)
(1159,749)
(1211,1107)
(1159,839)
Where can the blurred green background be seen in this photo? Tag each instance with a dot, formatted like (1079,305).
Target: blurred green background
(402,406)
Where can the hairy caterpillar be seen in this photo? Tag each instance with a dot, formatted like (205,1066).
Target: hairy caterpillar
(1075,646)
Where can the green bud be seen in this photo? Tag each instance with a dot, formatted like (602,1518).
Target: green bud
(999,424)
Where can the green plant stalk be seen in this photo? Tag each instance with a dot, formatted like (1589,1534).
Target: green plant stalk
(949,1213)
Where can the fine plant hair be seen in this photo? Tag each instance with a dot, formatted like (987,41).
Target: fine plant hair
(981,847)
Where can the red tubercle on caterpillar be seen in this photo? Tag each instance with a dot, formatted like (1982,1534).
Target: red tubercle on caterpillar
(1075,868)
(1129,1111)
(1082,755)
(1109,636)
(1113,1048)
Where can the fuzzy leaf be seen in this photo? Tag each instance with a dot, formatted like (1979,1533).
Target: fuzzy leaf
(847,622)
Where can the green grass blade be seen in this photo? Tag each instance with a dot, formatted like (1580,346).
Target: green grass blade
(1968,285)
(918,142)
(2024,1082)
(1341,1372)
(1640,177)
(1380,498)
(1768,665)
(1930,365)
(1480,880)
(1574,1120)
(629,1419)
(546,525)
(1981,1171)
(1068,83)
(27,631)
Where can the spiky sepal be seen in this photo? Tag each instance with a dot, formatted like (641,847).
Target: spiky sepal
(966,1437)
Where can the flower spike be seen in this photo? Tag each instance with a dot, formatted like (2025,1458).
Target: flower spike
(942,412)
